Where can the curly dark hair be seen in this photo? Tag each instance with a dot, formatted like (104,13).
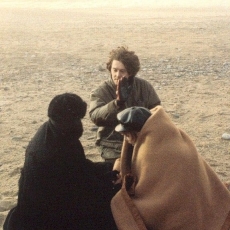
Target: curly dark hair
(129,59)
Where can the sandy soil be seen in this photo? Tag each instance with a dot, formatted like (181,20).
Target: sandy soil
(184,54)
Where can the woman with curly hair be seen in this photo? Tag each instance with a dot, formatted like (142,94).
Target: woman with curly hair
(122,90)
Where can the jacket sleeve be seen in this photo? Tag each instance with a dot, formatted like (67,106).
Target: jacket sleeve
(151,98)
(103,109)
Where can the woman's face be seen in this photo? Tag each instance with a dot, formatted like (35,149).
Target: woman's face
(130,137)
(118,71)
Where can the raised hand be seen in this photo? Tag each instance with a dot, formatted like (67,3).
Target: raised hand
(124,88)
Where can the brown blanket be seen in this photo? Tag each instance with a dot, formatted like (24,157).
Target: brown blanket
(173,188)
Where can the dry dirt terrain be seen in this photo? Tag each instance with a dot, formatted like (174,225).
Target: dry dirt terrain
(184,53)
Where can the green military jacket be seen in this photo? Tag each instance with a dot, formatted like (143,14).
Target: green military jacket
(103,108)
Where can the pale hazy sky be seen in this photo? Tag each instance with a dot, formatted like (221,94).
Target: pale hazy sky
(116,3)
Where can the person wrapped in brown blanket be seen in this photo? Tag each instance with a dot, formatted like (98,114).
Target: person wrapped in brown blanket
(166,183)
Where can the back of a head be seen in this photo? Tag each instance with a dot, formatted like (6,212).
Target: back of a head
(66,107)
(132,119)
(65,112)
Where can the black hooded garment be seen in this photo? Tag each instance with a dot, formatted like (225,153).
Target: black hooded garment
(59,188)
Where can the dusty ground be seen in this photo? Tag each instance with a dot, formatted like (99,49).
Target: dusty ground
(183,53)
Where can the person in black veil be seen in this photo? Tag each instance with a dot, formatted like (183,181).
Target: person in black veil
(59,188)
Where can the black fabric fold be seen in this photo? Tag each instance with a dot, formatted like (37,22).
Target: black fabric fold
(59,188)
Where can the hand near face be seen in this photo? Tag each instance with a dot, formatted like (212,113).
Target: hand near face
(124,88)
